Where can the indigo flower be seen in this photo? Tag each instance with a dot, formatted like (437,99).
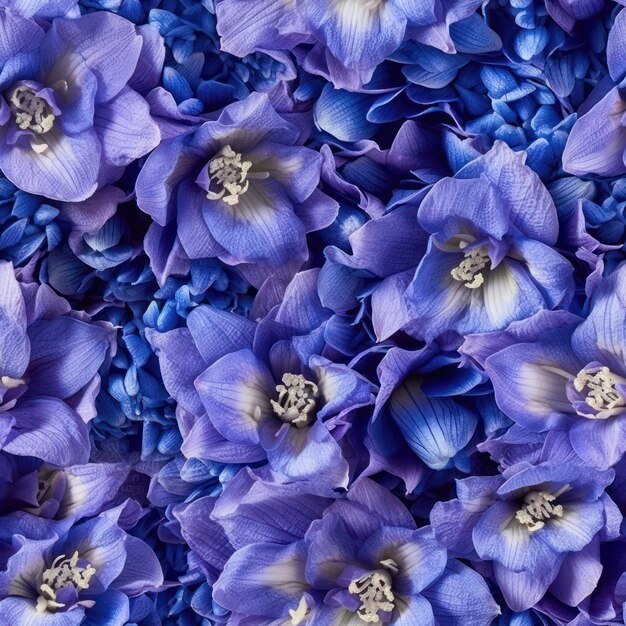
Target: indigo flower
(537,525)
(263,391)
(48,385)
(240,188)
(358,559)
(70,119)
(50,493)
(489,260)
(596,143)
(567,374)
(349,38)
(419,411)
(86,573)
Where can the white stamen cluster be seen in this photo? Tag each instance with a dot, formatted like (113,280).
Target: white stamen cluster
(63,572)
(375,593)
(600,388)
(537,509)
(228,170)
(468,271)
(296,400)
(30,111)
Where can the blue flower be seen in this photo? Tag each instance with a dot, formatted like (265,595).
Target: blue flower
(68,113)
(536,525)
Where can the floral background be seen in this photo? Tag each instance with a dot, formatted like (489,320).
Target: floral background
(312,312)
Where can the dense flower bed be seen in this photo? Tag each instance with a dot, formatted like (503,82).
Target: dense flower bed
(312,312)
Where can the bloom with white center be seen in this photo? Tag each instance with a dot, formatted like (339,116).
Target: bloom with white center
(72,572)
(354,559)
(567,374)
(490,260)
(75,575)
(70,120)
(536,524)
(241,188)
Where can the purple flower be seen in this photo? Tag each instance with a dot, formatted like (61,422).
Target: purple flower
(46,9)
(87,573)
(264,391)
(564,374)
(539,526)
(358,559)
(349,38)
(70,118)
(51,493)
(240,188)
(418,412)
(49,362)
(598,138)
(490,259)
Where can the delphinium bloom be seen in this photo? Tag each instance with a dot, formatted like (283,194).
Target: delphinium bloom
(597,142)
(47,384)
(539,526)
(490,259)
(33,488)
(240,188)
(567,374)
(420,416)
(83,575)
(359,559)
(264,391)
(344,41)
(70,119)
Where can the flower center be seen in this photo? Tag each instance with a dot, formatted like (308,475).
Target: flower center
(228,170)
(30,111)
(374,591)
(599,386)
(63,573)
(468,271)
(296,400)
(538,507)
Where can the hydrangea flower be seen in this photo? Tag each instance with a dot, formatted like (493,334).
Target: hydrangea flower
(70,119)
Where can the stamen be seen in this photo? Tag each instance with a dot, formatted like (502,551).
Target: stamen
(30,111)
(296,400)
(300,614)
(600,388)
(229,171)
(63,572)
(374,591)
(468,271)
(538,508)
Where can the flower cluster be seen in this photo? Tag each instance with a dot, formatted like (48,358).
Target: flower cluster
(312,312)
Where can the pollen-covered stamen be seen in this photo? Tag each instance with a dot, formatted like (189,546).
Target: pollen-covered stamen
(296,400)
(468,271)
(599,386)
(30,111)
(64,572)
(375,592)
(538,507)
(228,170)
(301,613)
